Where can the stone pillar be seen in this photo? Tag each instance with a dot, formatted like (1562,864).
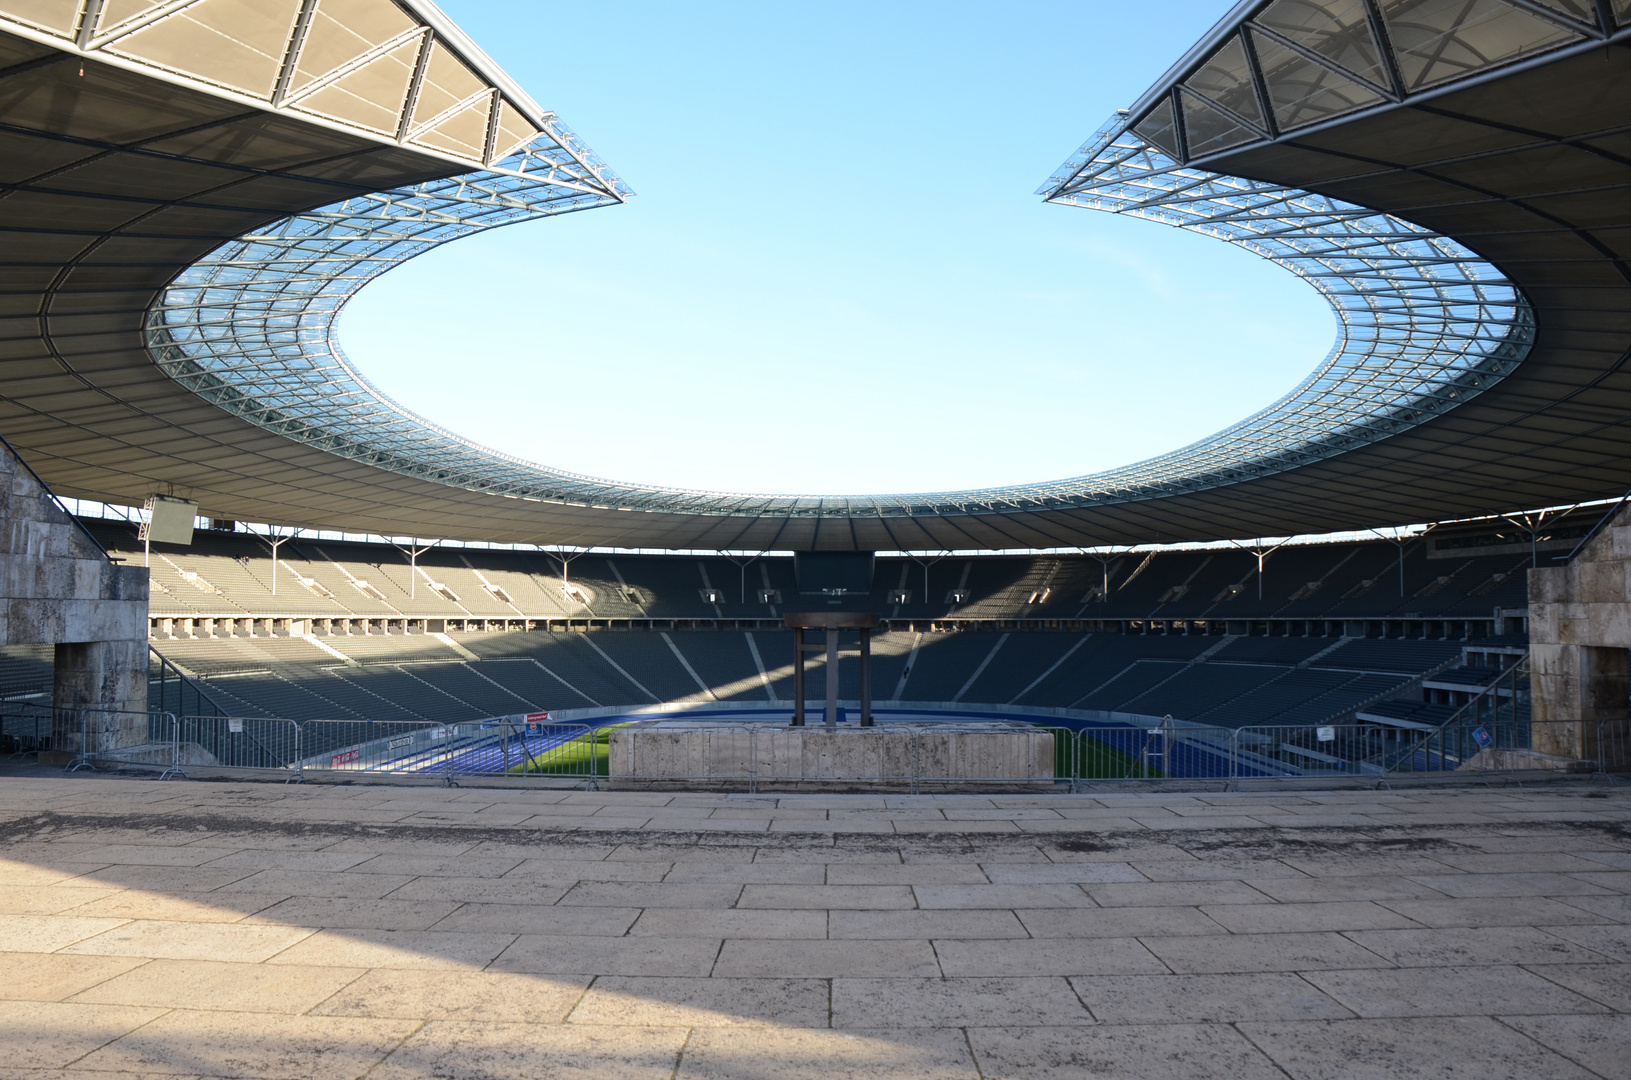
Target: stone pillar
(100,689)
(57,587)
(1579,633)
(1578,689)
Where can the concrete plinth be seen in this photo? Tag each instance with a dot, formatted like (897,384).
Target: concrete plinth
(57,587)
(99,692)
(1579,632)
(892,755)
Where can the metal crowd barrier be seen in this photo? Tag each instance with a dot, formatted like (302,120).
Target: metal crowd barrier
(90,736)
(238,742)
(25,728)
(505,746)
(1493,735)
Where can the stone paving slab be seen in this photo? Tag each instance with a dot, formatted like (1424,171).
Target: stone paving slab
(246,930)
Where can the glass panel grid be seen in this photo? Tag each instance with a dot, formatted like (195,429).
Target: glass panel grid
(1424,324)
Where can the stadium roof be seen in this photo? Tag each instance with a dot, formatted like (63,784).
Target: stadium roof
(1452,176)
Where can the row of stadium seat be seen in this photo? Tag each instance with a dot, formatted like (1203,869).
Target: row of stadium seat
(1227,681)
(230,574)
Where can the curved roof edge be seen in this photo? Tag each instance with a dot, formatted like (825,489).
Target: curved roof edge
(1423,326)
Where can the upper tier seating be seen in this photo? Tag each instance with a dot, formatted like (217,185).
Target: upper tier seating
(229,574)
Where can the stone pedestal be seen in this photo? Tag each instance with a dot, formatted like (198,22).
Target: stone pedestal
(1579,634)
(893,755)
(57,587)
(99,690)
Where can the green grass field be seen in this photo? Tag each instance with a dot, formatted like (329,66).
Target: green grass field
(1079,756)
(587,755)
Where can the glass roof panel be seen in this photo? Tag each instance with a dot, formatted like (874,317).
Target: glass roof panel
(1435,40)
(1207,130)
(1303,92)
(1622,8)
(1158,128)
(1227,80)
(1338,30)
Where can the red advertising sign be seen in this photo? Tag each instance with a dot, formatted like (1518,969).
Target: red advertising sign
(538,718)
(344,757)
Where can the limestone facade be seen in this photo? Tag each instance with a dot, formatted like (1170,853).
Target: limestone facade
(1580,647)
(57,587)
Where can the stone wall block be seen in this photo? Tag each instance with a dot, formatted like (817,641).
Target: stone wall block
(32,622)
(100,693)
(1611,625)
(1620,541)
(127,582)
(1552,659)
(104,620)
(1602,583)
(1603,545)
(1548,585)
(1542,622)
(889,753)
(90,580)
(63,540)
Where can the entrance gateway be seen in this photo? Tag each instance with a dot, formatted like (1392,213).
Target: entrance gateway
(834,623)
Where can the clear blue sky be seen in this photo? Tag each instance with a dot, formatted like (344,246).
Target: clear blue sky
(834,277)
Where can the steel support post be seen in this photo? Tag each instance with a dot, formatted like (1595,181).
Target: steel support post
(832,678)
(798,678)
(866,677)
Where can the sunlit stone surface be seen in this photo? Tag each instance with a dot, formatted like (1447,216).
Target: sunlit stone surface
(246,930)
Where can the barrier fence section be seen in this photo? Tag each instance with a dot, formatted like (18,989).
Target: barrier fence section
(238,742)
(511,746)
(504,746)
(1167,751)
(25,728)
(168,690)
(412,747)
(96,737)
(751,753)
(1493,734)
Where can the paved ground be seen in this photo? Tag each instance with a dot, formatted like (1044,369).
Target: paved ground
(202,929)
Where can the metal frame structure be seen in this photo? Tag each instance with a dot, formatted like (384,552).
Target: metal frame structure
(251,327)
(1443,171)
(1424,324)
(397,71)
(1276,68)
